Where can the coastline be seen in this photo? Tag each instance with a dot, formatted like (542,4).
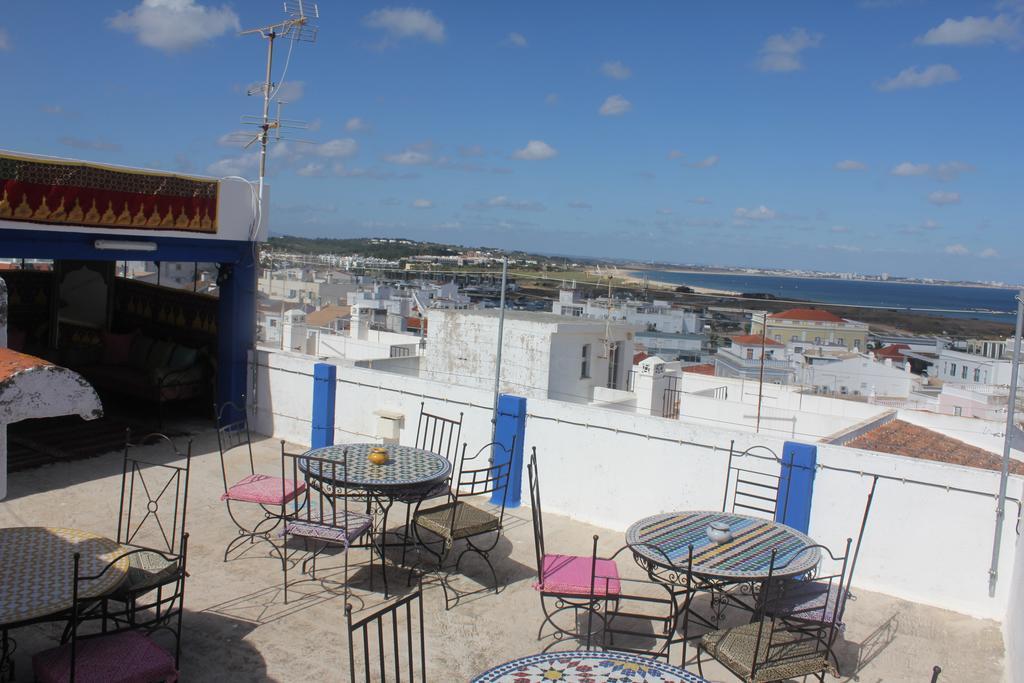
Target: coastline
(670,286)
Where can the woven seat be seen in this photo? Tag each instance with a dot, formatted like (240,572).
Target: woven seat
(341,528)
(571,575)
(263,489)
(125,657)
(146,570)
(453,521)
(787,659)
(808,600)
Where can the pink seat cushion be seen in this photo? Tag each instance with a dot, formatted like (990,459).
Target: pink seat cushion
(126,657)
(570,575)
(260,488)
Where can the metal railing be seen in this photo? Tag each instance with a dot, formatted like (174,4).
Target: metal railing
(671,400)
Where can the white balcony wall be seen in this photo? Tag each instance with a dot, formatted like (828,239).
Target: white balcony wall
(1013,627)
(925,541)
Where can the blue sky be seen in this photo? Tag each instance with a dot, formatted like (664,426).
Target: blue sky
(870,136)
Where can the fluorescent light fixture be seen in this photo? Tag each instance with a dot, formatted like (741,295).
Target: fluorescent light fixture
(124,245)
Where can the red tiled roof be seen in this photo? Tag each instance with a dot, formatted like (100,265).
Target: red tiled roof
(702,369)
(894,351)
(902,438)
(754,340)
(639,357)
(327,315)
(415,323)
(12,362)
(813,314)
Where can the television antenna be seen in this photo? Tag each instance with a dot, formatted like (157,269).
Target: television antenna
(296,27)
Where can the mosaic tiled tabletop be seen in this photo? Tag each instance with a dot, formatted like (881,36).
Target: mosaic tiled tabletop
(746,557)
(406,466)
(37,570)
(587,667)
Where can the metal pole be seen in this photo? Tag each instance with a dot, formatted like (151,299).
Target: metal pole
(1011,428)
(501,332)
(760,381)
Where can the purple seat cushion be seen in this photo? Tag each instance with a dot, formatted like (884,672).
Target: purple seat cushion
(125,657)
(570,575)
(264,489)
(338,528)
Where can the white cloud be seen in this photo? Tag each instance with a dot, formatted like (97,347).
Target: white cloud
(175,24)
(236,138)
(839,229)
(761,213)
(337,148)
(579,205)
(706,162)
(957,250)
(615,105)
(471,151)
(407,22)
(240,165)
(908,169)
(409,157)
(850,165)
(311,170)
(700,200)
(942,198)
(503,202)
(290,91)
(5,41)
(356,125)
(951,170)
(676,154)
(929,224)
(616,70)
(517,39)
(988,252)
(782,52)
(422,204)
(664,212)
(535,150)
(98,144)
(913,77)
(974,31)
(551,99)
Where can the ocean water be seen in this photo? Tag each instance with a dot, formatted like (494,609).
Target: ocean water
(984,303)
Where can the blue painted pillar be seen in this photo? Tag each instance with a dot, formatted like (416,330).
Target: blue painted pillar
(796,487)
(325,385)
(511,424)
(236,325)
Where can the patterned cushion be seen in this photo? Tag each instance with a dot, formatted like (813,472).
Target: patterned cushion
(416,495)
(125,657)
(260,488)
(146,570)
(570,575)
(815,601)
(468,520)
(343,528)
(792,655)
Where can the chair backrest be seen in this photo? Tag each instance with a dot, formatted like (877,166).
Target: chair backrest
(154,496)
(476,478)
(323,503)
(233,432)
(810,631)
(753,483)
(172,605)
(388,638)
(438,434)
(536,513)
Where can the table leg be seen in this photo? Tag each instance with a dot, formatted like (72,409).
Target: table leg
(7,648)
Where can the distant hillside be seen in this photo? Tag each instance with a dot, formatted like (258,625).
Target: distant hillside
(378,248)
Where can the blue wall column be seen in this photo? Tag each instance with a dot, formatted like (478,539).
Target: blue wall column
(511,423)
(236,325)
(796,485)
(325,384)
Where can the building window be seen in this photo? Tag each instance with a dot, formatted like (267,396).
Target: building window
(963,373)
(793,338)
(750,354)
(856,344)
(952,369)
(778,337)
(817,340)
(585,362)
(958,411)
(977,374)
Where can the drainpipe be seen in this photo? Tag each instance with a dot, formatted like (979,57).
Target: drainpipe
(1008,438)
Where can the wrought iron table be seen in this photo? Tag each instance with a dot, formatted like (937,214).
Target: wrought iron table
(407,471)
(36,574)
(587,666)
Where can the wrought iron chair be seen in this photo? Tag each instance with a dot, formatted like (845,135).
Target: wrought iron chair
(148,489)
(322,515)
(268,492)
(458,520)
(774,648)
(124,654)
(377,656)
(569,582)
(936,670)
(753,491)
(439,435)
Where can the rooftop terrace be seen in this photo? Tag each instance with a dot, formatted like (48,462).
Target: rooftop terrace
(237,626)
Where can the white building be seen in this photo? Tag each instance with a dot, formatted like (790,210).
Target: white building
(743,359)
(388,307)
(969,368)
(543,355)
(655,316)
(859,375)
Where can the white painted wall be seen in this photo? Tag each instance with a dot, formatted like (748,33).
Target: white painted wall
(985,434)
(924,543)
(1013,626)
(860,375)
